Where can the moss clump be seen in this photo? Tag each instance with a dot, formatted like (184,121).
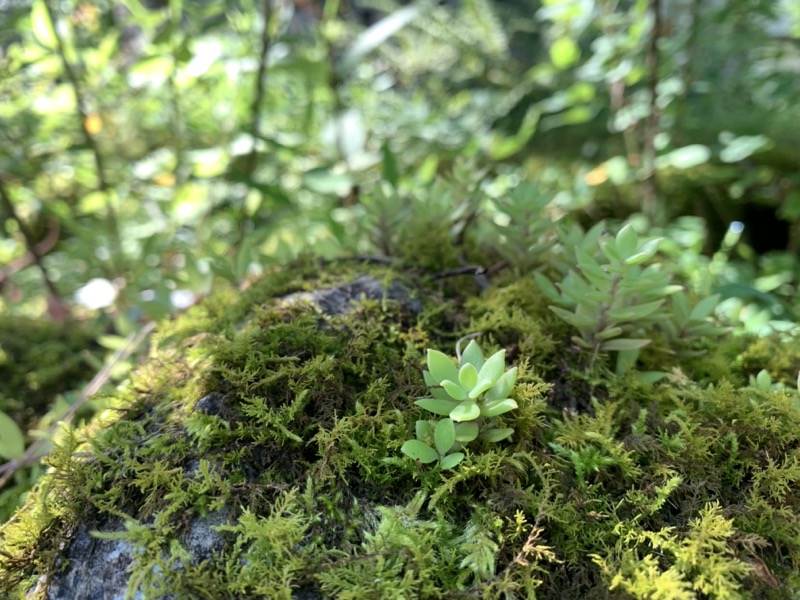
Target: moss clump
(283,427)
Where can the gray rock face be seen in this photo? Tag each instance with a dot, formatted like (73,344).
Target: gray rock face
(339,300)
(94,568)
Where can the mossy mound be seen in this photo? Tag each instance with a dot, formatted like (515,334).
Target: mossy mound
(257,455)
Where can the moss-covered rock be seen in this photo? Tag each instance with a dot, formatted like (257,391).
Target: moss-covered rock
(257,455)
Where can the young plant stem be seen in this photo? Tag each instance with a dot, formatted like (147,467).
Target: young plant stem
(601,320)
(261,81)
(83,114)
(650,201)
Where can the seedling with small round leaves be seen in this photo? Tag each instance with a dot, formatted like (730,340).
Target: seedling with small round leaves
(469,395)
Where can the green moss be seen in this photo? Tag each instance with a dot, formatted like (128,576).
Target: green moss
(39,360)
(681,489)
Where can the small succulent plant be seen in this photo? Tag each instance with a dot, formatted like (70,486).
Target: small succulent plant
(469,395)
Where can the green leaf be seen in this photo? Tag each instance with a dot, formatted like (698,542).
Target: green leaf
(624,344)
(473,355)
(578,321)
(468,376)
(441,367)
(564,53)
(12,441)
(625,361)
(635,313)
(455,390)
(496,435)
(441,394)
(448,462)
(437,406)
(467,431)
(466,411)
(687,157)
(645,252)
(424,430)
(626,241)
(680,307)
(581,342)
(444,435)
(493,368)
(389,162)
(430,380)
(494,408)
(650,377)
(547,288)
(42,26)
(609,248)
(608,333)
(326,181)
(704,308)
(504,385)
(419,451)
(480,387)
(763,380)
(742,147)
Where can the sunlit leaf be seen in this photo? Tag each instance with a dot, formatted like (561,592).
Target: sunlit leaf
(42,26)
(12,442)
(495,408)
(326,181)
(467,410)
(564,52)
(468,376)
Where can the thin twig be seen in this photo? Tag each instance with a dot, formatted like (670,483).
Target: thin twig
(471,270)
(37,449)
(43,247)
(30,243)
(377,260)
(261,76)
(83,114)
(650,202)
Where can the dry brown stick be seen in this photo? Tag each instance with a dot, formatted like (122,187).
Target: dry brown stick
(37,449)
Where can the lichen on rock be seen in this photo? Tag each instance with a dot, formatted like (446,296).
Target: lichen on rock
(257,455)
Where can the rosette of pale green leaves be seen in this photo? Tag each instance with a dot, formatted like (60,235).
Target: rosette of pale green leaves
(468,395)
